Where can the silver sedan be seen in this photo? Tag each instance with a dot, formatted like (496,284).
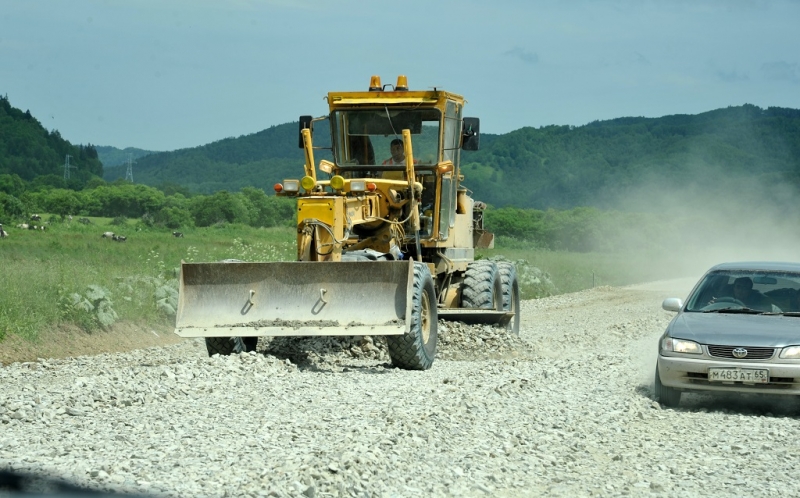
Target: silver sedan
(739,330)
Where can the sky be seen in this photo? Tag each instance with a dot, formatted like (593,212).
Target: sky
(169,74)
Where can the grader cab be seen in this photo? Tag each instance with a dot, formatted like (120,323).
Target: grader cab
(386,237)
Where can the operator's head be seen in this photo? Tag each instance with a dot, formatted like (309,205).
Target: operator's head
(397,150)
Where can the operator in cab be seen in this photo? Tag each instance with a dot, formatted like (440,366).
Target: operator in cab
(398,159)
(398,154)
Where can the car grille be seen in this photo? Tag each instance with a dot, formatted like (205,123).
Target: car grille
(752,353)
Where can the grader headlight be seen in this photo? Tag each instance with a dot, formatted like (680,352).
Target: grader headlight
(358,185)
(326,166)
(337,182)
(308,183)
(291,186)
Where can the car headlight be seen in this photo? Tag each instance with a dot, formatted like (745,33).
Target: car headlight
(680,346)
(791,353)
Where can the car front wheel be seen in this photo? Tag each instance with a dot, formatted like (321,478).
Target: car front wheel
(667,396)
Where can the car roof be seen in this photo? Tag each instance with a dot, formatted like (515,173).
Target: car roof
(758,266)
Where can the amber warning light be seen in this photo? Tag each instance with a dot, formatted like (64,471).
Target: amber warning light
(402,83)
(375,84)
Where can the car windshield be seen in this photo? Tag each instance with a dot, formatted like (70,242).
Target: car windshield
(365,137)
(767,291)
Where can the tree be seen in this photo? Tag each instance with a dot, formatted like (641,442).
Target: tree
(12,184)
(174,217)
(220,207)
(61,202)
(45,182)
(269,211)
(10,206)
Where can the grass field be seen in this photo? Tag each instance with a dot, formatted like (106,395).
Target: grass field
(70,274)
(56,276)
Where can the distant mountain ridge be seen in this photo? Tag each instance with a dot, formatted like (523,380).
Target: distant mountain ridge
(34,154)
(601,162)
(113,156)
(735,151)
(259,160)
(549,166)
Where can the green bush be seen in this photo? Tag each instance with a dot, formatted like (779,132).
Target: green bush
(10,207)
(173,217)
(90,310)
(222,207)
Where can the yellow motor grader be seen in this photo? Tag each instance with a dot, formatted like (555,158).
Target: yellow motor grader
(385,242)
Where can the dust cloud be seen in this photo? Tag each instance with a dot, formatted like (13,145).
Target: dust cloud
(715,217)
(697,223)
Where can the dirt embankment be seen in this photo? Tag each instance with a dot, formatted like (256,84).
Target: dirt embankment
(66,341)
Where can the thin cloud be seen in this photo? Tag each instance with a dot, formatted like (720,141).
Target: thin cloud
(524,55)
(731,76)
(782,71)
(641,59)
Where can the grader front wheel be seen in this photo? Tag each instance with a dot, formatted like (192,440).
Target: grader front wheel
(225,346)
(416,349)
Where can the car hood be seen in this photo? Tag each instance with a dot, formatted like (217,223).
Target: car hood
(736,330)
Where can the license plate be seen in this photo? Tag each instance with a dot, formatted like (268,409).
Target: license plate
(753,375)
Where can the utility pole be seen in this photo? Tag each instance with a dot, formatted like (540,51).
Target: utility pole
(129,171)
(67,167)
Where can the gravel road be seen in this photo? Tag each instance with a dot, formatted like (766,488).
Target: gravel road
(563,410)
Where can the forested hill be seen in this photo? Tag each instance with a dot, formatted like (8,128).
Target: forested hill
(36,155)
(112,156)
(551,166)
(257,160)
(597,164)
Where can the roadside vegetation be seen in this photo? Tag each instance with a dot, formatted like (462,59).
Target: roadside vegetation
(656,209)
(70,274)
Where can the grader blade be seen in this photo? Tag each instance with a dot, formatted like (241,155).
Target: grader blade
(294,299)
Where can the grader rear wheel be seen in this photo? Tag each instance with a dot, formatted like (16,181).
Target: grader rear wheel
(416,349)
(482,287)
(510,287)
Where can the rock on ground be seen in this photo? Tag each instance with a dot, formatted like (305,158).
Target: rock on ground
(562,410)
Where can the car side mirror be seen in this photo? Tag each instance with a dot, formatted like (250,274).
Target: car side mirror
(672,304)
(470,138)
(305,123)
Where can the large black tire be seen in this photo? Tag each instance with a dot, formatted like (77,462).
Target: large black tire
(510,287)
(482,286)
(225,346)
(667,396)
(417,349)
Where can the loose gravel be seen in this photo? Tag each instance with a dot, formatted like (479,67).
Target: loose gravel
(564,409)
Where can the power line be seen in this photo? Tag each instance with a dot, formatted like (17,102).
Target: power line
(129,171)
(68,166)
